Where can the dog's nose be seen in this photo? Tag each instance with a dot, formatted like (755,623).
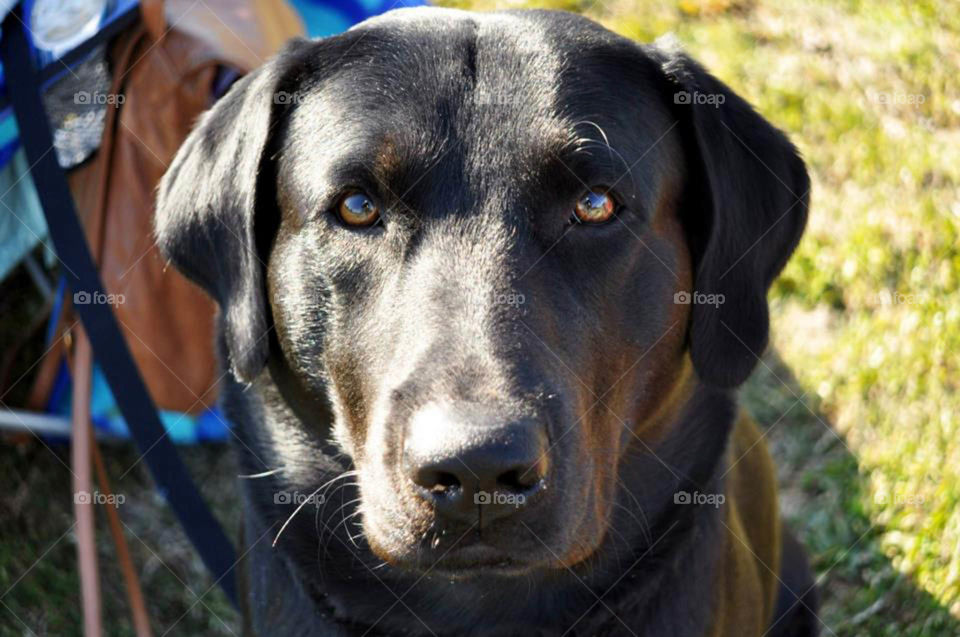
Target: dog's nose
(470,468)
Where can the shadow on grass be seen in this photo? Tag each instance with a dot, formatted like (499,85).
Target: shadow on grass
(825,498)
(39,586)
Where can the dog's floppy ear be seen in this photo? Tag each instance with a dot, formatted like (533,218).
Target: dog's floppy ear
(207,203)
(744,207)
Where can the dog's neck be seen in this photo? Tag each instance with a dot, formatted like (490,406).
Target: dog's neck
(625,580)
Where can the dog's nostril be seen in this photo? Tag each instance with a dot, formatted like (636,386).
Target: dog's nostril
(437,481)
(445,481)
(518,480)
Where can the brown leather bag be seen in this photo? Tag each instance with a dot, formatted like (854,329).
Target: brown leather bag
(166,75)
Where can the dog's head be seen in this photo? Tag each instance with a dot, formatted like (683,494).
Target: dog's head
(501,248)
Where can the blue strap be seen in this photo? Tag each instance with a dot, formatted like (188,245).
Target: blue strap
(108,343)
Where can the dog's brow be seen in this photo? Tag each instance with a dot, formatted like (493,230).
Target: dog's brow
(587,159)
(388,158)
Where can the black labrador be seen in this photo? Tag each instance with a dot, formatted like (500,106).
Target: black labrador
(488,283)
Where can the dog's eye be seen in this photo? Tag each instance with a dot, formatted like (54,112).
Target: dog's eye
(357,209)
(594,206)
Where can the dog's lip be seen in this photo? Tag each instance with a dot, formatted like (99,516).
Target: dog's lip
(477,558)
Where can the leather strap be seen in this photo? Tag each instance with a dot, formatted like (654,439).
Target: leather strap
(125,381)
(141,620)
(50,361)
(154,19)
(83,501)
(97,224)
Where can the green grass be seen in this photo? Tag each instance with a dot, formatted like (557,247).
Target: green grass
(39,586)
(859,392)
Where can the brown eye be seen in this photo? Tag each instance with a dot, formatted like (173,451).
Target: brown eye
(357,209)
(594,207)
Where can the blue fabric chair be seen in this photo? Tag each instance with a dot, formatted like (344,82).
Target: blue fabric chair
(327,17)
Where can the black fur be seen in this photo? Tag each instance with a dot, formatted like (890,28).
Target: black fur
(476,134)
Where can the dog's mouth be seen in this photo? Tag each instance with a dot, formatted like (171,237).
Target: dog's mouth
(474,559)
(507,549)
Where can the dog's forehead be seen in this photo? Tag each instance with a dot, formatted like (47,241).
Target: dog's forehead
(508,90)
(445,72)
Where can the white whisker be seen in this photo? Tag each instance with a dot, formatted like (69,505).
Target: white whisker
(310,499)
(296,511)
(251,476)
